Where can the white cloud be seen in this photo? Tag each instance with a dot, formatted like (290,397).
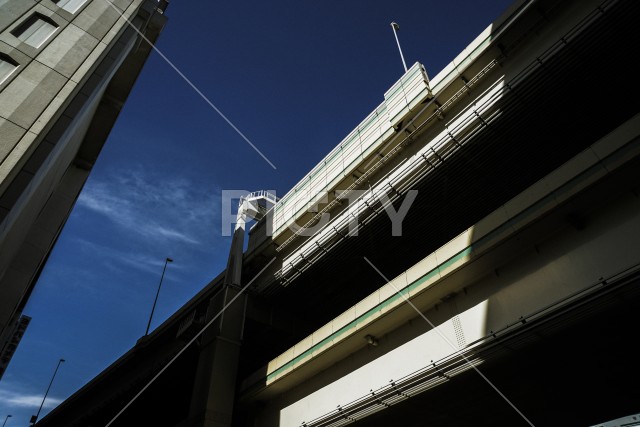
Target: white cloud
(117,257)
(174,210)
(25,400)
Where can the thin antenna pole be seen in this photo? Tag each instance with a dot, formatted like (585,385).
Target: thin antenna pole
(35,417)
(396,27)
(167,260)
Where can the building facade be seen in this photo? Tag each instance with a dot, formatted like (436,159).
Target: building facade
(507,297)
(66,68)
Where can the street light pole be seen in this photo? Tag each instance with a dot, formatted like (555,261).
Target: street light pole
(34,418)
(5,420)
(167,260)
(396,27)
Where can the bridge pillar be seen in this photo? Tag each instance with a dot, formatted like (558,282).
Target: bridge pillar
(214,387)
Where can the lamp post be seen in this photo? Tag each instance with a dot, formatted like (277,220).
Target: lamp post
(166,261)
(396,27)
(34,418)
(5,420)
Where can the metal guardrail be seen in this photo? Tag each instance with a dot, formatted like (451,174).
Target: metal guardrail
(464,359)
(377,128)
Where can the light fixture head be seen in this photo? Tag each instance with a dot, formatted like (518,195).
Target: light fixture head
(371,340)
(169,259)
(395,26)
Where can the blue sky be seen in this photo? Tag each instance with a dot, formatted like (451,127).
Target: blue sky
(295,77)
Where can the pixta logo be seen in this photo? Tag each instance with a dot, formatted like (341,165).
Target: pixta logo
(355,203)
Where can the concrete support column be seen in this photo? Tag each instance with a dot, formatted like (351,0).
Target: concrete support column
(214,388)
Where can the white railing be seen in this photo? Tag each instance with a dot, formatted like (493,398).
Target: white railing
(256,195)
(403,97)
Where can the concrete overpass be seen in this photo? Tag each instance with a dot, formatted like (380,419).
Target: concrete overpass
(518,258)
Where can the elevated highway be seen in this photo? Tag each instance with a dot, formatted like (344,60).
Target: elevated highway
(518,257)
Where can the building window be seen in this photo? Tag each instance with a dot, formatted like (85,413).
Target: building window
(7,66)
(70,5)
(35,30)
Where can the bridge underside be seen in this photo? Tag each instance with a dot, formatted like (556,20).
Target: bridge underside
(544,121)
(577,369)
